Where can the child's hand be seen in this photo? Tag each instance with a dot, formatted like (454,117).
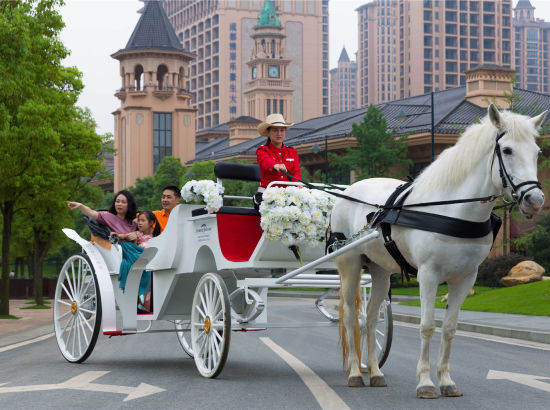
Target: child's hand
(132,236)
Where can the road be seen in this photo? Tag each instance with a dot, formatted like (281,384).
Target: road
(152,371)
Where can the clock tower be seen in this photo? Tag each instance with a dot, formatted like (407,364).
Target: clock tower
(268,90)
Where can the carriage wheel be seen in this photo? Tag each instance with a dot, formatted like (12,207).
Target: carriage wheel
(384,332)
(181,327)
(77,309)
(210,325)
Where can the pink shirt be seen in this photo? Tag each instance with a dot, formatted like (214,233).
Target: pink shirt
(116,224)
(142,239)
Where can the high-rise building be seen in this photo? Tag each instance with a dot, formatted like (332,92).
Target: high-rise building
(343,84)
(532,40)
(221,34)
(409,48)
(155,118)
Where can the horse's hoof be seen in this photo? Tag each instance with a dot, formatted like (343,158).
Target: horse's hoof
(426,392)
(450,391)
(378,381)
(356,381)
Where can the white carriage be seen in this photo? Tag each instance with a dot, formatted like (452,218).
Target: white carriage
(210,276)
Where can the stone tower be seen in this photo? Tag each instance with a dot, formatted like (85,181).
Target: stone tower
(269,90)
(154,119)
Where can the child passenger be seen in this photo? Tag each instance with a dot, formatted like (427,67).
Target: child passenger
(148,227)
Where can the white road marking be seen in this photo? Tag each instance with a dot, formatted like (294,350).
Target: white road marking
(26,342)
(84,382)
(325,396)
(489,338)
(521,378)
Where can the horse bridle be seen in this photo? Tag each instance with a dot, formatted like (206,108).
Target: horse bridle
(507,179)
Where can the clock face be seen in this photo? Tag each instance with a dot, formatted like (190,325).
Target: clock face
(273,71)
(254,74)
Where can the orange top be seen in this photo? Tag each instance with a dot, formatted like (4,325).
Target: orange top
(162,217)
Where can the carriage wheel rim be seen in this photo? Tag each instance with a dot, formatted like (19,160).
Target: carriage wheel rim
(76,309)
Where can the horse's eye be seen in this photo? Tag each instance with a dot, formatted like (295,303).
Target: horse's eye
(507,151)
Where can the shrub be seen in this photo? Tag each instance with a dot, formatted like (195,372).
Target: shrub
(493,269)
(398,281)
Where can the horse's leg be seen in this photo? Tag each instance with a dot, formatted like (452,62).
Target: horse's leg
(349,267)
(457,293)
(428,289)
(379,290)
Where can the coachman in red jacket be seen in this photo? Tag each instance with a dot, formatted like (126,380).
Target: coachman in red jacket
(274,157)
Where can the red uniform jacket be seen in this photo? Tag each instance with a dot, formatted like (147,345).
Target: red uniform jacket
(269,155)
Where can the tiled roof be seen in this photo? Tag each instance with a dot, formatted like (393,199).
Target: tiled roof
(524,3)
(453,113)
(153,31)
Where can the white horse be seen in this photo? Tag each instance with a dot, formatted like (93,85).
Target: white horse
(469,169)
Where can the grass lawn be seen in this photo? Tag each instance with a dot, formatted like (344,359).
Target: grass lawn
(32,301)
(37,307)
(529,299)
(8,317)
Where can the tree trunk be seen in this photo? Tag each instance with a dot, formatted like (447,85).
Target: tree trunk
(21,262)
(7,214)
(40,249)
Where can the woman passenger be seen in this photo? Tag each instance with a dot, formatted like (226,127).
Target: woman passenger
(274,157)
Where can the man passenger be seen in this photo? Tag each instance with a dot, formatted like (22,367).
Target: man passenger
(171,196)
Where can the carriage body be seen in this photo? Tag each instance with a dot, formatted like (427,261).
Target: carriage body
(228,248)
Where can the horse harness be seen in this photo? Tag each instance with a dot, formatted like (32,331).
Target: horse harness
(394,213)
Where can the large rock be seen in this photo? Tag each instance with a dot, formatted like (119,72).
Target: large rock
(523,272)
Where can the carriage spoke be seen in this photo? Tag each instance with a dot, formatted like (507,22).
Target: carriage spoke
(87,311)
(78,331)
(79,273)
(69,295)
(86,322)
(217,334)
(67,324)
(203,315)
(64,303)
(84,290)
(70,279)
(87,300)
(217,325)
(63,315)
(204,305)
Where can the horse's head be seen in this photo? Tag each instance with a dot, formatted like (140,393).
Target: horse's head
(515,159)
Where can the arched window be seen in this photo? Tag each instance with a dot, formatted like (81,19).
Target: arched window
(162,77)
(272,48)
(181,77)
(138,77)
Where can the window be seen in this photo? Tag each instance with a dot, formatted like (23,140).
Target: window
(450,66)
(162,137)
(451,79)
(532,35)
(488,19)
(489,56)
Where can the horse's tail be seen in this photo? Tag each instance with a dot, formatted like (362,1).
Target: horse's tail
(356,330)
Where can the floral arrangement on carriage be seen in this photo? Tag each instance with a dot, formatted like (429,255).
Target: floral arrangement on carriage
(205,191)
(296,215)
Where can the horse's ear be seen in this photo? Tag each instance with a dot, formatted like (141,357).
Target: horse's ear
(495,117)
(539,119)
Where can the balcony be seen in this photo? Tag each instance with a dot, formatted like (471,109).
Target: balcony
(163,92)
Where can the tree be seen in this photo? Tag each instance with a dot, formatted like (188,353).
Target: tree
(378,153)
(143,192)
(169,172)
(48,146)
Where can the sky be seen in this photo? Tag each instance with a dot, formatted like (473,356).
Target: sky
(95,29)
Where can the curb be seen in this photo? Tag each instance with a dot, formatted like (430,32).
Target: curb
(26,334)
(528,335)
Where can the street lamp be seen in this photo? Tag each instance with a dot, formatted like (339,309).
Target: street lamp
(316,149)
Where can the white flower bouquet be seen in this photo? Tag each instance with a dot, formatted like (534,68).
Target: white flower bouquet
(206,191)
(294,215)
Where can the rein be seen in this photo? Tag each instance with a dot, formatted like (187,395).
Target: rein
(489,198)
(503,172)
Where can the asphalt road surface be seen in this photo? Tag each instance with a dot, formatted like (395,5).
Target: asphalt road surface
(290,368)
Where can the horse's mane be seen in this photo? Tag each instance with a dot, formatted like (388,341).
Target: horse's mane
(478,141)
